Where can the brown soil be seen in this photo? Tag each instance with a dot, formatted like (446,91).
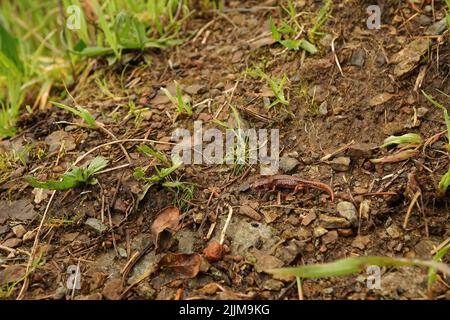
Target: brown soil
(327,110)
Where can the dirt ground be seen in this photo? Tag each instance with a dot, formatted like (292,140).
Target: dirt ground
(361,87)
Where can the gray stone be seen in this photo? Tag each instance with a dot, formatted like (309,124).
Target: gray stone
(423,20)
(358,58)
(329,222)
(437,28)
(273,285)
(347,210)
(424,248)
(12,243)
(290,252)
(323,108)
(394,231)
(288,164)
(330,237)
(19,231)
(340,164)
(319,231)
(361,150)
(96,224)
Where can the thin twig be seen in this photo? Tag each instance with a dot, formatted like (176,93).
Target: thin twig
(33,250)
(227,222)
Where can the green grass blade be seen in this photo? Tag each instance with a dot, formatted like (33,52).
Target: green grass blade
(349,266)
(409,138)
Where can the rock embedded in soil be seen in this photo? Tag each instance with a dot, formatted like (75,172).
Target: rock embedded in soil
(409,57)
(358,58)
(12,243)
(113,289)
(329,222)
(361,242)
(96,224)
(394,231)
(309,217)
(437,28)
(21,210)
(424,248)
(330,237)
(290,252)
(361,150)
(273,285)
(19,231)
(11,273)
(265,261)
(288,164)
(195,89)
(319,231)
(340,164)
(323,108)
(347,210)
(249,212)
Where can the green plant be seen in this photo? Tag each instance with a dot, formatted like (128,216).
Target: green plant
(178,101)
(444,183)
(353,265)
(184,192)
(124,26)
(320,20)
(444,110)
(432,275)
(281,35)
(448,15)
(409,138)
(80,112)
(276,85)
(76,177)
(241,155)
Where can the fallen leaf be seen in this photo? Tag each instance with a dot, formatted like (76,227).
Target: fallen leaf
(58,138)
(185,265)
(11,274)
(167,219)
(397,157)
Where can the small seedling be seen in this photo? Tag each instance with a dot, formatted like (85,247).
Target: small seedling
(409,138)
(280,35)
(432,275)
(184,192)
(322,18)
(80,112)
(76,177)
(178,101)
(276,85)
(444,183)
(444,110)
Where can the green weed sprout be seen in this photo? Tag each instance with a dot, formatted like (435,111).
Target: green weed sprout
(182,106)
(276,85)
(76,177)
(409,138)
(291,44)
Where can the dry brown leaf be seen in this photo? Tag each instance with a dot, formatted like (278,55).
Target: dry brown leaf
(397,157)
(185,265)
(167,219)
